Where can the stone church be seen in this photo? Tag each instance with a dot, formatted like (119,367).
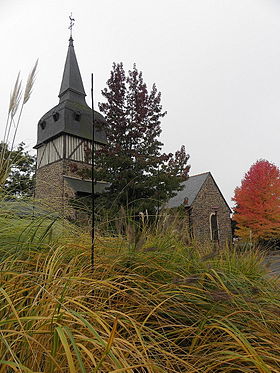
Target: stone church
(64,144)
(205,209)
(64,148)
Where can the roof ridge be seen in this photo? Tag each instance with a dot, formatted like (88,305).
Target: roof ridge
(202,173)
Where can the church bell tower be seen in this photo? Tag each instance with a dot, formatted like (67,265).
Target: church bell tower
(64,143)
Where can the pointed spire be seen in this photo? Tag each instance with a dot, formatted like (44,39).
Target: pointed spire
(72,87)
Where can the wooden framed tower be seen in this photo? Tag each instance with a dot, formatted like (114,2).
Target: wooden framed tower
(64,143)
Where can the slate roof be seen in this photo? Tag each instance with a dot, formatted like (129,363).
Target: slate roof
(66,123)
(190,190)
(84,186)
(71,80)
(62,118)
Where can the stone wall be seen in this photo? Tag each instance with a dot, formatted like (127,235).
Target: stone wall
(49,185)
(53,191)
(208,199)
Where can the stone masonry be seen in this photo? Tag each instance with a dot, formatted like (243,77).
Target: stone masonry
(206,202)
(202,204)
(52,190)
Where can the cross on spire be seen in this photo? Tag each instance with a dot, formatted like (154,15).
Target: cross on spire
(72,20)
(72,87)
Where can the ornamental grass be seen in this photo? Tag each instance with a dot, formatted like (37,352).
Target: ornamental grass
(165,306)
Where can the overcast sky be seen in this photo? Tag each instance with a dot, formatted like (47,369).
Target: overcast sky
(216,62)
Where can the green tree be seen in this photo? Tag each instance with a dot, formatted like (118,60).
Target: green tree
(141,177)
(20,180)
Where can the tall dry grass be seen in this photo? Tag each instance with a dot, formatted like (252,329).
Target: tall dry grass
(18,100)
(158,308)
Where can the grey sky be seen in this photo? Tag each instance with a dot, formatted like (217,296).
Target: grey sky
(216,62)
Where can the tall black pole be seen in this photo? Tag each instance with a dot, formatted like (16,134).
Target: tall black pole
(157,217)
(92,178)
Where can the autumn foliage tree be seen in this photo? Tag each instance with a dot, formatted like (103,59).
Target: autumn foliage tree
(257,210)
(141,176)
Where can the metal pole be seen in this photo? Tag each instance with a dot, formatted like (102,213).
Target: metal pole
(157,195)
(92,178)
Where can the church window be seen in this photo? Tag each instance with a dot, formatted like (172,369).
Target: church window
(43,124)
(77,116)
(214,230)
(55,116)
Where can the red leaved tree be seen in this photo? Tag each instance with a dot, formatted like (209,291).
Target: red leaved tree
(141,176)
(257,210)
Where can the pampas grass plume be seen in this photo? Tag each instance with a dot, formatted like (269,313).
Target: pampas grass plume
(15,97)
(30,83)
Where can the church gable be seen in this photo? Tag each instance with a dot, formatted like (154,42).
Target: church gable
(206,209)
(210,190)
(210,214)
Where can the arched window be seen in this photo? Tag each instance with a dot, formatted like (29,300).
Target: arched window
(214,227)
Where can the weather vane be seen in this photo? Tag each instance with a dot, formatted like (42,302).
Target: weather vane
(72,20)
